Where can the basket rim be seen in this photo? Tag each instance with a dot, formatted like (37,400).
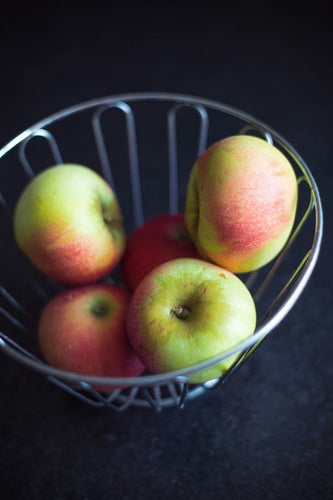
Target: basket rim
(263,330)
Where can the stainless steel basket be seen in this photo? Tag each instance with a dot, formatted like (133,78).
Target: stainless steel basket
(112,134)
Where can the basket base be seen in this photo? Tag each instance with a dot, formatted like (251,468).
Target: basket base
(157,397)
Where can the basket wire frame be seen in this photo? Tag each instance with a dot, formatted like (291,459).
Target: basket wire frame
(169,389)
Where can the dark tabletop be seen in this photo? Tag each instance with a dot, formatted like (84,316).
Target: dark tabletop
(266,433)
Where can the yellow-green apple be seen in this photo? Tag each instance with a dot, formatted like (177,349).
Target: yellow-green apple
(69,223)
(187,311)
(83,330)
(241,203)
(158,240)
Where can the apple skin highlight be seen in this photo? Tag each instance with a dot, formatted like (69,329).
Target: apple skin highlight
(69,224)
(83,330)
(220,313)
(241,203)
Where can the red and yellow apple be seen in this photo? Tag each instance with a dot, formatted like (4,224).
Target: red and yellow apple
(160,239)
(68,223)
(187,311)
(83,330)
(241,203)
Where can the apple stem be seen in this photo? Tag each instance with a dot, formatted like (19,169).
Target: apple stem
(100,311)
(181,312)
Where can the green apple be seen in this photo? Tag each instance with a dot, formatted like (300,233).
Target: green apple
(241,203)
(68,223)
(83,330)
(187,311)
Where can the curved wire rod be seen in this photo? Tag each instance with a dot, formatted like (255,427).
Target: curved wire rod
(132,153)
(267,136)
(53,147)
(172,145)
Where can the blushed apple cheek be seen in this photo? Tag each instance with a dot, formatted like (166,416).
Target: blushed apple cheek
(246,221)
(68,261)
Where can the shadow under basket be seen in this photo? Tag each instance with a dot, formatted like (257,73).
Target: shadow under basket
(144,144)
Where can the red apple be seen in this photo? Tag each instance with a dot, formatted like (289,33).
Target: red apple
(83,330)
(159,240)
(241,203)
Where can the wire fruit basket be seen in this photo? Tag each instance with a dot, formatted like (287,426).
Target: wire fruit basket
(144,145)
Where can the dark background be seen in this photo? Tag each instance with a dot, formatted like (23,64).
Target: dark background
(268,432)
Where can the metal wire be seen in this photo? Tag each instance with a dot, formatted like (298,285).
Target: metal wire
(173,388)
(56,155)
(172,143)
(132,153)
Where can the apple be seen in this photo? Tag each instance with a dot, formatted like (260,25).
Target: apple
(68,223)
(83,330)
(187,311)
(241,203)
(158,240)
